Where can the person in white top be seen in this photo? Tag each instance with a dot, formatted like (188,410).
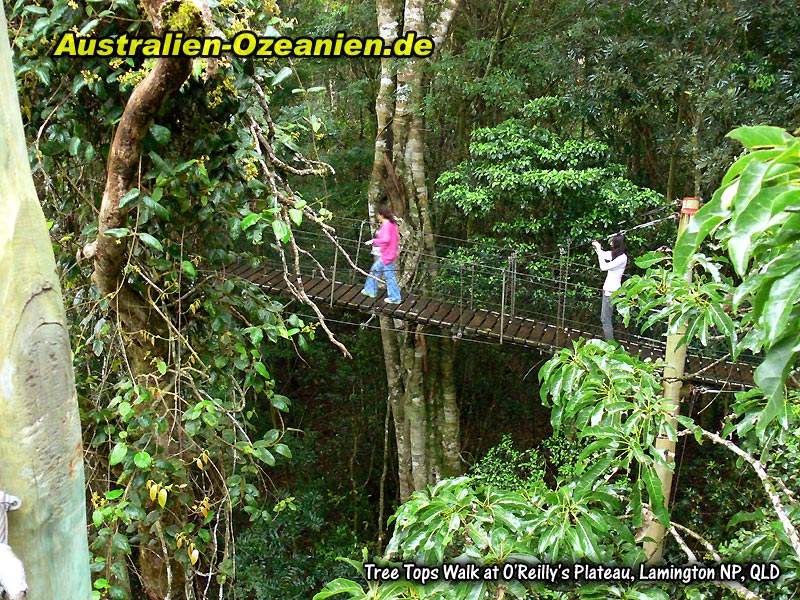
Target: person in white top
(613,262)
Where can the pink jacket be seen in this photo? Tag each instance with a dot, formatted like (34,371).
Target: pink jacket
(388,240)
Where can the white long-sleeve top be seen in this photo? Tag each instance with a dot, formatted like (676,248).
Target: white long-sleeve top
(614,268)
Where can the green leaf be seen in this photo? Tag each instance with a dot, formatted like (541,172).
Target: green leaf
(771,375)
(157,208)
(151,241)
(118,454)
(752,220)
(98,518)
(280,402)
(653,484)
(341,586)
(282,75)
(705,220)
(761,136)
(262,370)
(160,134)
(188,268)
(281,230)
(129,198)
(142,460)
(74,146)
(776,310)
(283,450)
(265,456)
(296,216)
(250,220)
(88,27)
(114,494)
(117,232)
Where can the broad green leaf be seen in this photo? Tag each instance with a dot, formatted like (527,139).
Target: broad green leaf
(280,402)
(250,220)
(282,75)
(148,239)
(281,230)
(117,232)
(142,460)
(262,370)
(114,494)
(118,454)
(129,198)
(761,136)
(159,209)
(783,296)
(265,456)
(283,450)
(771,375)
(653,485)
(188,268)
(160,134)
(88,27)
(751,221)
(705,220)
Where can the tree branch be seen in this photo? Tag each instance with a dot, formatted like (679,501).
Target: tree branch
(766,481)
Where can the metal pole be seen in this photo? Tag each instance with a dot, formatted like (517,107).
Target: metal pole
(565,275)
(333,279)
(472,285)
(512,264)
(561,299)
(502,305)
(358,250)
(460,296)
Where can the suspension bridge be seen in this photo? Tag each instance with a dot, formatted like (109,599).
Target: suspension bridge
(480,292)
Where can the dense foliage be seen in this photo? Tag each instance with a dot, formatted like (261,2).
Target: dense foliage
(548,123)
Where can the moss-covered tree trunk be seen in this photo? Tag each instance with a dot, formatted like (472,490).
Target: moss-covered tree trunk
(142,327)
(419,370)
(41,456)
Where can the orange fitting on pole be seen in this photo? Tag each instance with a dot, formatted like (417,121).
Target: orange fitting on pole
(690,205)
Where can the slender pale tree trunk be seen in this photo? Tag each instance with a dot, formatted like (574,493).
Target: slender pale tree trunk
(419,370)
(674,365)
(41,457)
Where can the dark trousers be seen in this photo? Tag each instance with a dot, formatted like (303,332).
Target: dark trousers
(605,318)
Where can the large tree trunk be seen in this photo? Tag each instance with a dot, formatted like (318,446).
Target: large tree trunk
(41,456)
(141,325)
(419,370)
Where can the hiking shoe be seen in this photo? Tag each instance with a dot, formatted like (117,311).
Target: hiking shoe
(368,295)
(392,301)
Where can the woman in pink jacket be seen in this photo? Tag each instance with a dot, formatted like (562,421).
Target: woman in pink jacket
(387,241)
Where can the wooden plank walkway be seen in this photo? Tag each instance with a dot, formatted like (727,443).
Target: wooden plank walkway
(477,323)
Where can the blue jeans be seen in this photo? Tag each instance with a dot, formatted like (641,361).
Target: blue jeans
(386,272)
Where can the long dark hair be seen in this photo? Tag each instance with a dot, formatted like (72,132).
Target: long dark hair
(386,213)
(618,246)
